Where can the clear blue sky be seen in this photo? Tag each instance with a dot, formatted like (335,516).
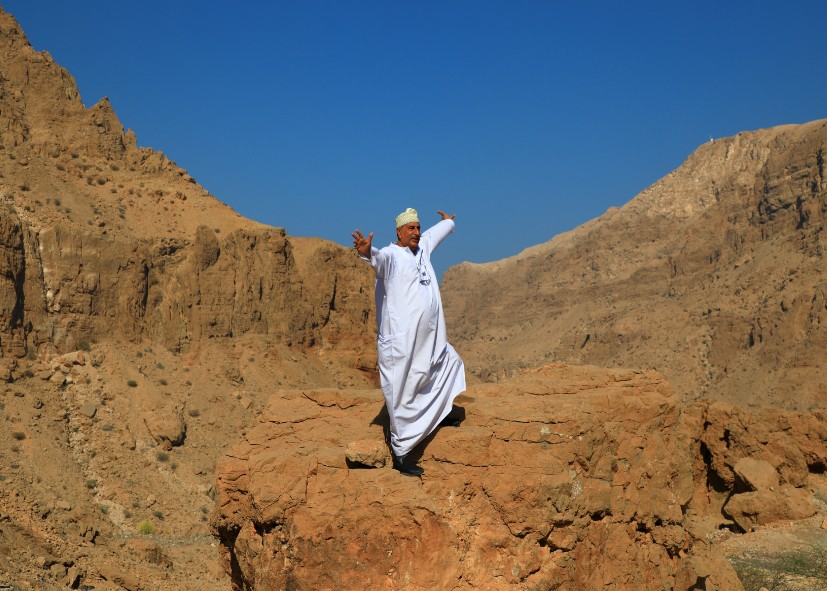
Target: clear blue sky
(525,119)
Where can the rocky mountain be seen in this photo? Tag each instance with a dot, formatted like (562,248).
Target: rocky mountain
(714,276)
(142,325)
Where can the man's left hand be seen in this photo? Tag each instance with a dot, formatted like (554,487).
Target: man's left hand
(445,216)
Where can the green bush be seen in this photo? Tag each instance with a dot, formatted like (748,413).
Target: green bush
(162,456)
(74,154)
(91,483)
(132,383)
(158,514)
(28,373)
(194,412)
(146,528)
(19,435)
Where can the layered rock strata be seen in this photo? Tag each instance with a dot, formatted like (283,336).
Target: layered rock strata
(561,478)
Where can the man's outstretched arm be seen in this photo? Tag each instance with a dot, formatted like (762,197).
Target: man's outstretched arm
(437,233)
(365,250)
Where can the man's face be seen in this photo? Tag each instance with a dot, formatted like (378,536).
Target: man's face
(408,235)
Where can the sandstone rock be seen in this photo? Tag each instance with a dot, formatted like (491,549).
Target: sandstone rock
(114,574)
(61,504)
(764,506)
(127,439)
(166,425)
(58,378)
(562,477)
(149,551)
(756,474)
(73,577)
(74,358)
(370,453)
(89,409)
(58,570)
(45,374)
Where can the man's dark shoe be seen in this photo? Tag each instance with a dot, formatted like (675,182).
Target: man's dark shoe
(406,466)
(450,422)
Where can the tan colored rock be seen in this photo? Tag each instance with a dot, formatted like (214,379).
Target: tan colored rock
(45,374)
(756,474)
(370,453)
(89,409)
(115,574)
(74,358)
(58,378)
(166,425)
(149,551)
(127,439)
(560,477)
(765,506)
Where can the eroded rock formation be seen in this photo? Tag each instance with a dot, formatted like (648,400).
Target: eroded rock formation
(561,478)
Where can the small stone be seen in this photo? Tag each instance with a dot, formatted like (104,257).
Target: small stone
(37,403)
(61,504)
(45,374)
(58,378)
(369,453)
(89,409)
(824,523)
(150,500)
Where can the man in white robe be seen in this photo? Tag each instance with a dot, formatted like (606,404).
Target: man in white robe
(420,372)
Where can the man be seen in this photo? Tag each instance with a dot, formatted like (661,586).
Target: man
(420,372)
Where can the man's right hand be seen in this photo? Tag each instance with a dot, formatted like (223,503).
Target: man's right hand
(362,244)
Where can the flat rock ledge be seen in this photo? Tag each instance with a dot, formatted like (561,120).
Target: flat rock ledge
(565,477)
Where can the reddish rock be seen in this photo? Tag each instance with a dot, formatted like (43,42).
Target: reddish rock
(766,506)
(755,474)
(563,477)
(370,453)
(166,425)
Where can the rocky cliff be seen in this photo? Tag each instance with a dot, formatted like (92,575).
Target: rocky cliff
(99,237)
(713,275)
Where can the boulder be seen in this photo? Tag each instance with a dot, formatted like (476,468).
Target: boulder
(74,358)
(167,427)
(127,439)
(561,478)
(766,506)
(755,474)
(89,409)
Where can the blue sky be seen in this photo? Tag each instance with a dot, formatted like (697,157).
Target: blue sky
(525,119)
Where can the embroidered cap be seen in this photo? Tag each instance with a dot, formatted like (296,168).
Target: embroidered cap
(407,217)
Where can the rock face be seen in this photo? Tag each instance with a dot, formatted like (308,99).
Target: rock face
(101,238)
(561,478)
(713,275)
